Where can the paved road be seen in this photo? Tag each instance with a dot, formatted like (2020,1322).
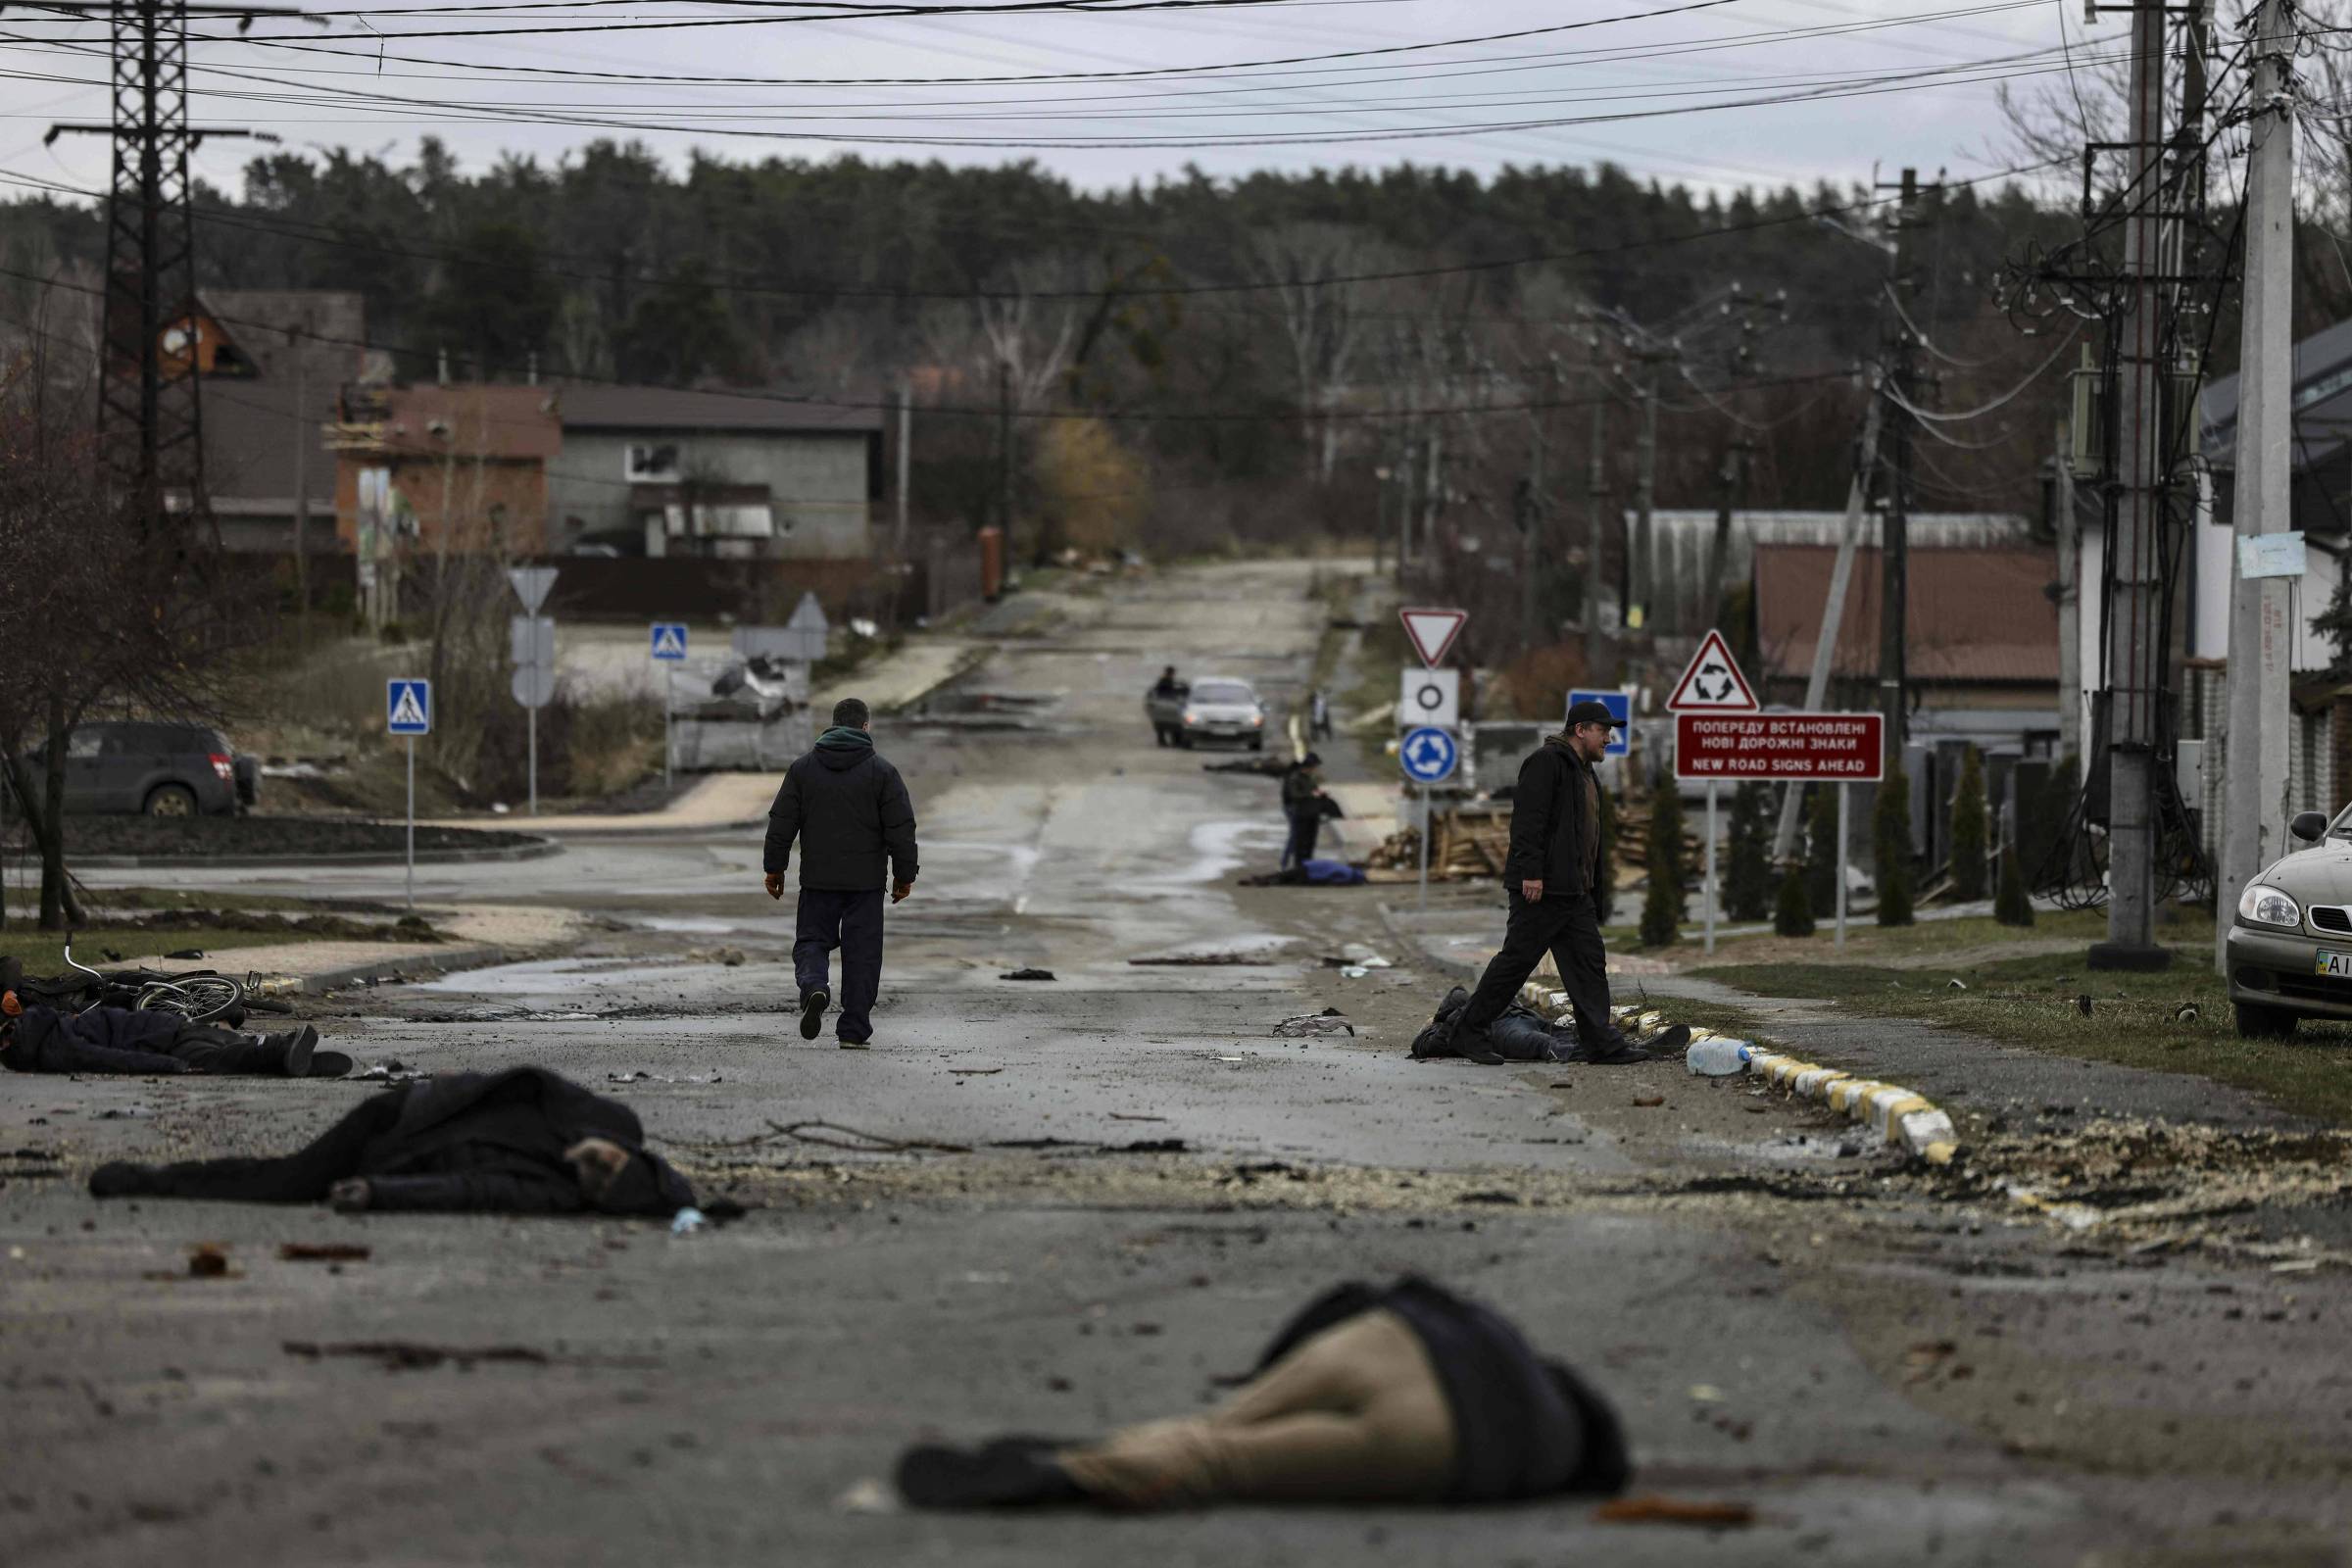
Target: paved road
(1890,1372)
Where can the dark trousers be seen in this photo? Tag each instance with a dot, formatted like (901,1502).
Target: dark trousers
(1306,825)
(1568,927)
(852,922)
(207,1049)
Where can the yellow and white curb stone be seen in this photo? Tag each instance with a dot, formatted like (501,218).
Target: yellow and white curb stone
(1900,1117)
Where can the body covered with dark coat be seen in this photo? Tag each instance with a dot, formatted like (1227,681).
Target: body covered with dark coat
(849,810)
(1555,828)
(1524,1427)
(491,1141)
(115,1040)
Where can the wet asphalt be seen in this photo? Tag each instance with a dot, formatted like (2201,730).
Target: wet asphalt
(953,1234)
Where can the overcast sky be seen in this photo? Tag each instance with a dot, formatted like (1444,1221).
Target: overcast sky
(1466,106)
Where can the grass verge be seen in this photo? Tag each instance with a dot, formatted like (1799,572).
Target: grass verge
(2178,1021)
(43,952)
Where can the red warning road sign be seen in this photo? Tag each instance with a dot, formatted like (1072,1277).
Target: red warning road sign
(1713,683)
(1433,632)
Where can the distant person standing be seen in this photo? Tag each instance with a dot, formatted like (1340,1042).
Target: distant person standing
(1302,800)
(1549,876)
(1318,715)
(849,810)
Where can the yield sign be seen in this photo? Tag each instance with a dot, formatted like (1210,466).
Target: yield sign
(1433,632)
(531,584)
(1713,683)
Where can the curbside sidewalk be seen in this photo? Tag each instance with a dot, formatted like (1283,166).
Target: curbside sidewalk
(1898,1115)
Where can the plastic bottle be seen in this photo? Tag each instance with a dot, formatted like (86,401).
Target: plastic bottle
(686,1222)
(1717,1056)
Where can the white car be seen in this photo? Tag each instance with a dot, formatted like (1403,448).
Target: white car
(2289,950)
(1220,708)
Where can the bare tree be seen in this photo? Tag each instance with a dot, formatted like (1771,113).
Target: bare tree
(107,608)
(1323,320)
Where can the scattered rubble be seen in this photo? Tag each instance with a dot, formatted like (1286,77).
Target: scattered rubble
(1313,1025)
(1027,974)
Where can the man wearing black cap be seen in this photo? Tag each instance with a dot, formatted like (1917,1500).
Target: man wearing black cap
(1302,807)
(1549,876)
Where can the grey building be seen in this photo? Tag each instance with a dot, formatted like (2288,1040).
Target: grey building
(656,471)
(273,361)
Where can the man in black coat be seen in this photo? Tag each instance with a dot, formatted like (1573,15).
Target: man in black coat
(849,808)
(1302,803)
(1549,876)
(523,1140)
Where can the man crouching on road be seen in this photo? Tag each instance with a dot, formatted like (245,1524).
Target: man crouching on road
(1550,874)
(849,810)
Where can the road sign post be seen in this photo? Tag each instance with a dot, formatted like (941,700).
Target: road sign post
(535,648)
(1430,698)
(667,645)
(1835,749)
(408,714)
(1432,631)
(1429,755)
(1841,866)
(1711,684)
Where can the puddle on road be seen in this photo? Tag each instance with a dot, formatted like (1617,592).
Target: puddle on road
(1221,848)
(686,925)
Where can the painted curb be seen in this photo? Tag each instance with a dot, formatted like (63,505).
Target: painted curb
(1898,1115)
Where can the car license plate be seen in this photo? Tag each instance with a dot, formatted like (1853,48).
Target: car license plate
(2335,965)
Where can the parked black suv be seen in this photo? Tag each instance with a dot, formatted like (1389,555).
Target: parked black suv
(158,767)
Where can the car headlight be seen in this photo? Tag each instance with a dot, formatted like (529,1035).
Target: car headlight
(1191,717)
(1258,720)
(2266,905)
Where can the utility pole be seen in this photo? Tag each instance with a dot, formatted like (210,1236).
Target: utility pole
(2135,534)
(1532,507)
(2070,596)
(905,458)
(148,427)
(305,432)
(1733,474)
(1833,614)
(1641,568)
(2261,641)
(1596,500)
(1005,450)
(1895,549)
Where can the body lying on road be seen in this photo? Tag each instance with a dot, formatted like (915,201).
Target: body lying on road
(1405,1395)
(123,1040)
(524,1140)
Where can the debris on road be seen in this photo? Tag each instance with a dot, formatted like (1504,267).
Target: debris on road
(208,1260)
(1208,961)
(686,1222)
(1027,974)
(639,1075)
(732,957)
(1330,1021)
(1656,1510)
(409,1356)
(323,1252)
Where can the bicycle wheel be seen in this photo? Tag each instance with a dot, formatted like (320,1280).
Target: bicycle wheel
(199,999)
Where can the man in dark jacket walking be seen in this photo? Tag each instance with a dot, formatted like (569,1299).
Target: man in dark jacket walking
(849,810)
(1549,876)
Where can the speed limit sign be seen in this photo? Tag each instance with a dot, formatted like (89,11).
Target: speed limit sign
(1432,697)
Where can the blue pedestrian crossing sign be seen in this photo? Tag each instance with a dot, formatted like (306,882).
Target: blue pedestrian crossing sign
(1428,755)
(669,641)
(408,707)
(1621,709)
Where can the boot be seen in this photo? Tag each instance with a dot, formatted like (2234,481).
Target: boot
(290,1055)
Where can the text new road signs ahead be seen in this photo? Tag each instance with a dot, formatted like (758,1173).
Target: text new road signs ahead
(408,707)
(1829,748)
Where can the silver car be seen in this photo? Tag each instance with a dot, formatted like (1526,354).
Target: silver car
(1220,708)
(2290,950)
